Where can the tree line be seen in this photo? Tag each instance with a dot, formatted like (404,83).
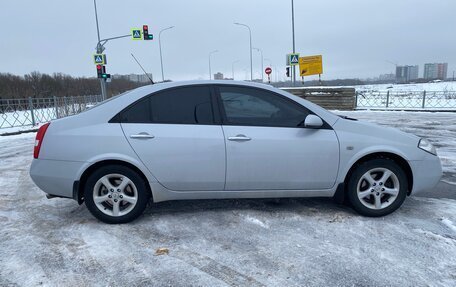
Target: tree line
(38,85)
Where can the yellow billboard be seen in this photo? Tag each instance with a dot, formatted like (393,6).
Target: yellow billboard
(311,65)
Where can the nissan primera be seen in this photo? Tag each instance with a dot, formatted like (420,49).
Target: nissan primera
(225,139)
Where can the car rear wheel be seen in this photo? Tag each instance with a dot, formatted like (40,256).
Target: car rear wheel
(377,187)
(116,194)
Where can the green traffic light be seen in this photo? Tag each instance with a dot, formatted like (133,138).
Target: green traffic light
(150,37)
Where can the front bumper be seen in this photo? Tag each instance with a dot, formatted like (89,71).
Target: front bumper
(55,177)
(426,173)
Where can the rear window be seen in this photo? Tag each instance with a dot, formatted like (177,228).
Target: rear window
(138,113)
(187,105)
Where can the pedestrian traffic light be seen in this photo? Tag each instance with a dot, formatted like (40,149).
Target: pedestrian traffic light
(146,34)
(288,71)
(99,71)
(104,75)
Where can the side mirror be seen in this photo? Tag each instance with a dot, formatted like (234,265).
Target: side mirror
(313,122)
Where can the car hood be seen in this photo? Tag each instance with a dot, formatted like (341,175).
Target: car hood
(383,133)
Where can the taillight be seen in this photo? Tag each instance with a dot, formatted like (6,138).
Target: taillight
(39,139)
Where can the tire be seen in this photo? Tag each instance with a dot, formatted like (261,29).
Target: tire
(370,194)
(116,194)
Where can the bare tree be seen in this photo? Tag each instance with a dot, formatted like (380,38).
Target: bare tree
(38,85)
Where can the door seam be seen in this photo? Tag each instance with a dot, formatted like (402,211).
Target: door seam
(226,156)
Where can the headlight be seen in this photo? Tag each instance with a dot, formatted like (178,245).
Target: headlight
(427,146)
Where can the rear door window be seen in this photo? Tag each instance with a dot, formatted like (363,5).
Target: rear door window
(187,105)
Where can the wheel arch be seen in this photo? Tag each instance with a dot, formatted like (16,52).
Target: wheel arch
(403,163)
(78,186)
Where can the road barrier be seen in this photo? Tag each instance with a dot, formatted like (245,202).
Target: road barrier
(343,99)
(33,111)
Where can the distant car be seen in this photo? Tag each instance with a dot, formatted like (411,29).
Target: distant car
(225,139)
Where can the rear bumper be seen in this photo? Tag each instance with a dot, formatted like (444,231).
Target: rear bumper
(55,177)
(426,173)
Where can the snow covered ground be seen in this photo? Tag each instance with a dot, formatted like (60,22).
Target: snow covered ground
(22,129)
(287,242)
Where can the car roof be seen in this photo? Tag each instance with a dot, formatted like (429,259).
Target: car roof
(165,85)
(112,107)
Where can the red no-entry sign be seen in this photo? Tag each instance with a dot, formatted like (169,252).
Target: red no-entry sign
(268,71)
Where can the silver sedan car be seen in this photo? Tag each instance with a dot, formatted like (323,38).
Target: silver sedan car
(225,139)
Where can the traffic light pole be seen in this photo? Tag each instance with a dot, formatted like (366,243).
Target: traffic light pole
(100,49)
(108,39)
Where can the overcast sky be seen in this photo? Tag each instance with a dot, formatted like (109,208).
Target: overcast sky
(355,37)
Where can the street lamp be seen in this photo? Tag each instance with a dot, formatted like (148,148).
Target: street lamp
(251,61)
(210,68)
(294,43)
(262,63)
(161,57)
(232,66)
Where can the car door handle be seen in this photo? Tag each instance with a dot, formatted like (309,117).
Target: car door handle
(239,138)
(142,136)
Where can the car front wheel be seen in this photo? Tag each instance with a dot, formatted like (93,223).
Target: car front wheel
(377,187)
(116,194)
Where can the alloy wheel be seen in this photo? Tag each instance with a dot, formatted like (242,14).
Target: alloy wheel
(378,188)
(115,195)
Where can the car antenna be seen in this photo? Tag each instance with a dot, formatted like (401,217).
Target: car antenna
(147,75)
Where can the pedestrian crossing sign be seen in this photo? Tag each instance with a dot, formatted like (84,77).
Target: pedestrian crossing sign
(136,34)
(99,59)
(293,59)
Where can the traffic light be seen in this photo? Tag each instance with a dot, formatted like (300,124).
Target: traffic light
(104,75)
(101,72)
(146,34)
(288,71)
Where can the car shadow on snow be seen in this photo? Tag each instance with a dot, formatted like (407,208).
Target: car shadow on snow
(318,208)
(306,207)
(302,206)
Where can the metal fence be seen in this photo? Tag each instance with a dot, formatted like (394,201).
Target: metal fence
(33,111)
(421,100)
